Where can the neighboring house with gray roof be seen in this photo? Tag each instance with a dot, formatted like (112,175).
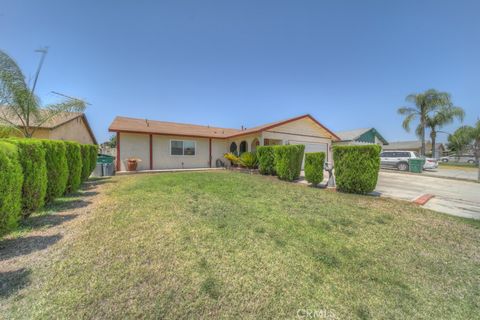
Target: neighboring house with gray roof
(416,146)
(361,136)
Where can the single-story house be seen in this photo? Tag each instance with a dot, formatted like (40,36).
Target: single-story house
(361,136)
(170,145)
(416,146)
(69,126)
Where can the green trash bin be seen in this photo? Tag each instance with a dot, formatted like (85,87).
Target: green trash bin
(416,165)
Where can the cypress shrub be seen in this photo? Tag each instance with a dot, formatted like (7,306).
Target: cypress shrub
(93,157)
(266,160)
(31,155)
(74,162)
(314,167)
(356,168)
(57,168)
(11,181)
(288,161)
(85,151)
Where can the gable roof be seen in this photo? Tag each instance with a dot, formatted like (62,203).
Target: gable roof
(52,123)
(356,134)
(134,125)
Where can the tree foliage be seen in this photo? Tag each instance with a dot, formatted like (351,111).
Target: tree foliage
(266,160)
(74,160)
(11,181)
(288,161)
(31,155)
(57,168)
(21,109)
(356,168)
(425,105)
(314,162)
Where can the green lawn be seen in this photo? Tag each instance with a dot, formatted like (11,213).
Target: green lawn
(233,245)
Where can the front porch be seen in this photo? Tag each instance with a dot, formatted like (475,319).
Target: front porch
(250,143)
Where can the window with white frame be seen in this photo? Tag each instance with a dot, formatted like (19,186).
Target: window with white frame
(182,148)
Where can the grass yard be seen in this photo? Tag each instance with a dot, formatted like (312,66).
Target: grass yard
(232,245)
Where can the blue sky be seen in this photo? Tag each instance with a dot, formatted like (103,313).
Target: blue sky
(231,63)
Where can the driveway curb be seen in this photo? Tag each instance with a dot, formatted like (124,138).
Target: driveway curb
(424,198)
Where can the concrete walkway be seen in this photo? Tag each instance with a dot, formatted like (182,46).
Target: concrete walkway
(454,197)
(120,173)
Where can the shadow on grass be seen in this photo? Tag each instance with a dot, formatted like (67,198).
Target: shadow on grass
(11,248)
(12,281)
(94,182)
(47,220)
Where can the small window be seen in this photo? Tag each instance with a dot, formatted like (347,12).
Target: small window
(182,148)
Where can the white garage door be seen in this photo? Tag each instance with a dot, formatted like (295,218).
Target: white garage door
(312,147)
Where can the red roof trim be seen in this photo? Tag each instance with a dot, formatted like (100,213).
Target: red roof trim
(285,122)
(335,137)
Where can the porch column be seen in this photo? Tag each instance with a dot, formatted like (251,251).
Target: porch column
(210,152)
(151,153)
(118,151)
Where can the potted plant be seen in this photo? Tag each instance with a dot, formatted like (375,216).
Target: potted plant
(132,164)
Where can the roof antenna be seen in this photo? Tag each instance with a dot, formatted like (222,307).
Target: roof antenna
(69,97)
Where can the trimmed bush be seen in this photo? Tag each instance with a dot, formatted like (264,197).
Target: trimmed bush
(74,162)
(11,181)
(85,151)
(288,161)
(31,155)
(356,168)
(314,167)
(93,157)
(57,168)
(266,159)
(248,160)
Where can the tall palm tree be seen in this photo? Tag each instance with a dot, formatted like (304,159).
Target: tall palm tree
(436,120)
(424,104)
(20,109)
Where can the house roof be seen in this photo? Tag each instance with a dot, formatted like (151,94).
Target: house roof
(351,134)
(133,125)
(52,123)
(415,144)
(355,134)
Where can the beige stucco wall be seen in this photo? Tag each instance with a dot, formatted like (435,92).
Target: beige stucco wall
(303,130)
(75,130)
(42,134)
(138,146)
(135,146)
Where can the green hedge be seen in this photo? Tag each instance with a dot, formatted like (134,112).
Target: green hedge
(288,161)
(31,155)
(85,151)
(314,167)
(11,181)
(356,168)
(93,156)
(57,168)
(266,159)
(74,161)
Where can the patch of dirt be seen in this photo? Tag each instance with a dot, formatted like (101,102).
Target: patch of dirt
(48,234)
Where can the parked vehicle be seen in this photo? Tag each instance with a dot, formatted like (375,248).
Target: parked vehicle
(464,158)
(399,160)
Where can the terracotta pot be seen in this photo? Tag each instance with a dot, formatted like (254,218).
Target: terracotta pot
(132,165)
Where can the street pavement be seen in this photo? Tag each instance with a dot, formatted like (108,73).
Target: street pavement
(454,197)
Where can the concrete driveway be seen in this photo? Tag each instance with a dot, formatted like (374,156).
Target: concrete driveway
(455,197)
